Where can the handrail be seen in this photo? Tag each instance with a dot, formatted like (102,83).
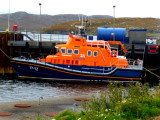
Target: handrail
(133,65)
(102,55)
(108,46)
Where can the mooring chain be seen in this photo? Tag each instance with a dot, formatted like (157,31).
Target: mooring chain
(151,72)
(4,53)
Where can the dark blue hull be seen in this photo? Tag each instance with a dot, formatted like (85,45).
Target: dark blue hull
(35,69)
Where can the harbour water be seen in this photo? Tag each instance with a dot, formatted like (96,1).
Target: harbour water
(15,90)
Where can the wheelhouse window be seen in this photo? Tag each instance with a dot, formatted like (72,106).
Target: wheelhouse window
(89,53)
(63,50)
(76,51)
(57,49)
(69,51)
(95,53)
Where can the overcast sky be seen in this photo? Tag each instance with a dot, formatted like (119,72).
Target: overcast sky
(124,8)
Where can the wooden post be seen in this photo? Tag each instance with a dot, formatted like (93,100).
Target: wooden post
(132,51)
(40,48)
(11,53)
(54,50)
(145,61)
(27,50)
(27,47)
(158,56)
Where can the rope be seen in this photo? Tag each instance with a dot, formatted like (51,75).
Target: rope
(5,53)
(151,72)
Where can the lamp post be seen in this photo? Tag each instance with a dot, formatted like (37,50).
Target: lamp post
(114,13)
(40,22)
(9,16)
(114,22)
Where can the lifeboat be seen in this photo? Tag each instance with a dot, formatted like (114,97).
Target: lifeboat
(81,60)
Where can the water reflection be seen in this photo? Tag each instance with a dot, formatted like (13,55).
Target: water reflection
(14,90)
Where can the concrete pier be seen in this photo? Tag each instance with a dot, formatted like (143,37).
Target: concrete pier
(39,108)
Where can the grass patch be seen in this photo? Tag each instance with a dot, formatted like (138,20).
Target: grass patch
(67,115)
(132,102)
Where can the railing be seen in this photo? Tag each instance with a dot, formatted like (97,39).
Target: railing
(135,63)
(45,37)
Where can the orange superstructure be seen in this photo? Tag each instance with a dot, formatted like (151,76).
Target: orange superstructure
(79,51)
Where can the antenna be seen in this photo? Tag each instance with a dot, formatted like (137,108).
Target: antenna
(79,18)
(81,28)
(87,21)
(82,20)
(90,20)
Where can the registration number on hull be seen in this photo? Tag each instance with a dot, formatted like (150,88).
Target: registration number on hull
(33,68)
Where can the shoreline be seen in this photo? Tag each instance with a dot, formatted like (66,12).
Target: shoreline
(39,107)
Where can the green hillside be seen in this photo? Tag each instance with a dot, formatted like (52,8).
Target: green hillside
(152,24)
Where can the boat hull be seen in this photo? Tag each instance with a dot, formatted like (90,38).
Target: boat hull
(36,69)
